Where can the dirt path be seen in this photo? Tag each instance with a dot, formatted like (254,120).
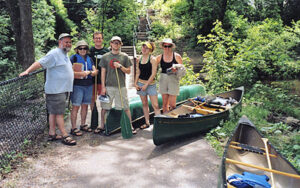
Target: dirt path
(110,161)
(101,161)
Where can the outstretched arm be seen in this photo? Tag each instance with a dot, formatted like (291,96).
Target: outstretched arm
(36,65)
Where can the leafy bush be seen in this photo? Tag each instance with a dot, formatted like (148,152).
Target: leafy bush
(43,31)
(266,53)
(275,99)
(190,77)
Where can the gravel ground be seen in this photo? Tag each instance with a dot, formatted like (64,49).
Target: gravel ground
(110,161)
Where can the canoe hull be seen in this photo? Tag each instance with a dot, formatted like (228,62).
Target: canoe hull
(167,129)
(136,108)
(246,133)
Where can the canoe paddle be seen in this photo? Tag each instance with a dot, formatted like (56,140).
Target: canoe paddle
(265,140)
(124,121)
(94,120)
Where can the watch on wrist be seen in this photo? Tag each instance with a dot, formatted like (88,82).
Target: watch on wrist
(90,72)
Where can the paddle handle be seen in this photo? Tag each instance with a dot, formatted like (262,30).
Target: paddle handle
(262,168)
(119,88)
(96,80)
(265,140)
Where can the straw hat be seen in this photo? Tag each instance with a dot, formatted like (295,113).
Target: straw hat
(167,41)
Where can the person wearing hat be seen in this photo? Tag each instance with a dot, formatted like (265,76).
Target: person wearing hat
(145,85)
(115,59)
(59,82)
(168,83)
(81,96)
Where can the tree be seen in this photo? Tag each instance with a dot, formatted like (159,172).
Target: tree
(21,19)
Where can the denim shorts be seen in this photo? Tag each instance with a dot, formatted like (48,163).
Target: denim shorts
(151,90)
(81,95)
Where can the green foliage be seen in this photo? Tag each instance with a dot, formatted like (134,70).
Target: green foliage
(43,31)
(111,18)
(275,99)
(7,50)
(190,77)
(60,10)
(163,25)
(266,52)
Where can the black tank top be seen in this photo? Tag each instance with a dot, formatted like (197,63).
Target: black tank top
(165,65)
(145,69)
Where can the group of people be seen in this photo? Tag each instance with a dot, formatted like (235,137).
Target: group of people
(99,71)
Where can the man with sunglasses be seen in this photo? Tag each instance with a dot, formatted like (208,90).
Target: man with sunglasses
(115,59)
(168,83)
(59,82)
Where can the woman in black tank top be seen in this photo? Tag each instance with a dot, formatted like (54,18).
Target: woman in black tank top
(144,81)
(168,83)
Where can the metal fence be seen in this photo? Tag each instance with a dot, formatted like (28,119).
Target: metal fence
(23,113)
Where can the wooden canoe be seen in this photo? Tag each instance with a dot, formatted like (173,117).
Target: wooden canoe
(168,127)
(238,158)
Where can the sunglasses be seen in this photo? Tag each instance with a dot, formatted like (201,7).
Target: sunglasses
(167,46)
(117,43)
(82,48)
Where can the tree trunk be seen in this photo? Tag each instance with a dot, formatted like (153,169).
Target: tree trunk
(21,19)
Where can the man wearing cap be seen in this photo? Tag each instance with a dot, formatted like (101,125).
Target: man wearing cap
(109,62)
(59,82)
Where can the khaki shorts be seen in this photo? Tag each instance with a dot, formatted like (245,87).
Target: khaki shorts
(168,84)
(114,95)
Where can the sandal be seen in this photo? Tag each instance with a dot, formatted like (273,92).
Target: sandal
(99,130)
(54,137)
(85,128)
(76,132)
(67,140)
(145,126)
(134,131)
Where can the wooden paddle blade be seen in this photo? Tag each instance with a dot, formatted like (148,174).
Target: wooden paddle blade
(125,126)
(94,120)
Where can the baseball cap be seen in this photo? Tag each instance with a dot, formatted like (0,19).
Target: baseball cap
(116,38)
(64,35)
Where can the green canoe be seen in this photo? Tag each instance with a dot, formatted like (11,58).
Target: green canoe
(169,128)
(136,108)
(245,152)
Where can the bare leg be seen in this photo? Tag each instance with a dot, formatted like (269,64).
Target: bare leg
(52,124)
(144,100)
(74,113)
(61,124)
(165,99)
(103,111)
(172,100)
(83,113)
(154,101)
